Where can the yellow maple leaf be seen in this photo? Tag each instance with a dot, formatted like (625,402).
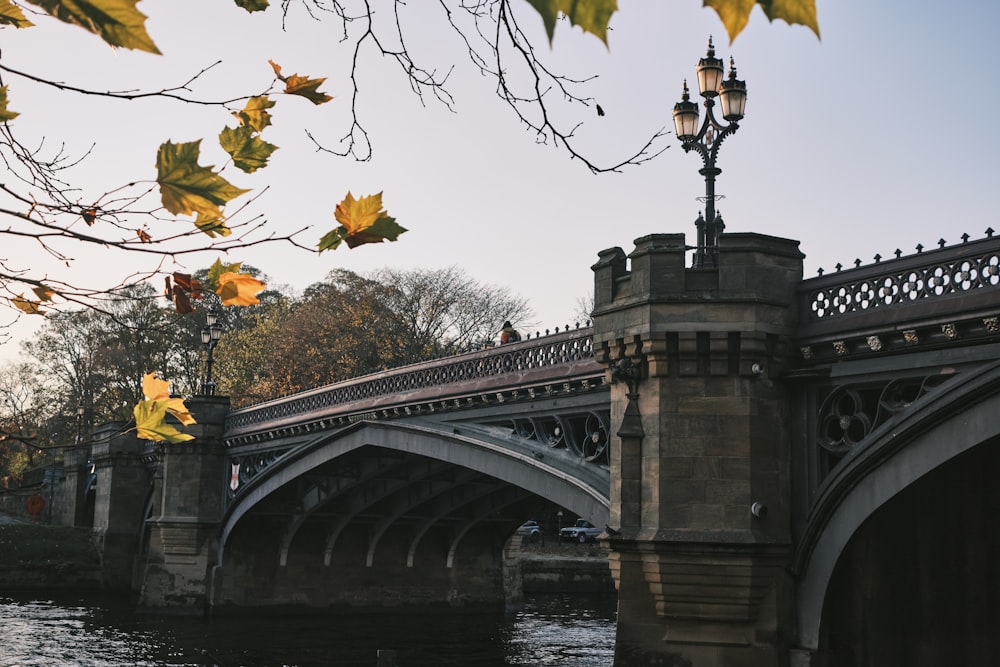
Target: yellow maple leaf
(239,289)
(359,214)
(151,413)
(255,114)
(361,221)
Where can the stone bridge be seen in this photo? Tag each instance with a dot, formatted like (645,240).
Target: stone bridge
(409,465)
(790,472)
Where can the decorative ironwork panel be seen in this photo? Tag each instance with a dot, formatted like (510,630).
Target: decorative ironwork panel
(850,413)
(928,282)
(962,269)
(583,434)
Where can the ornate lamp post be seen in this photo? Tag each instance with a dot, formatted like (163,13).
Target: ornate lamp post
(80,412)
(732,93)
(210,336)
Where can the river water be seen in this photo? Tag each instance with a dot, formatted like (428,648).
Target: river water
(551,630)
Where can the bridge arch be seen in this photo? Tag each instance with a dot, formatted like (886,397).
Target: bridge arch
(555,475)
(960,415)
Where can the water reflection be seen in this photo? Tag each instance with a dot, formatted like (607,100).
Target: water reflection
(551,630)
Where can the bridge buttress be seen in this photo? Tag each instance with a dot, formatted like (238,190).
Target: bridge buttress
(700,424)
(186,514)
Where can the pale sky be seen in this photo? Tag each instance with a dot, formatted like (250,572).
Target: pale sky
(873,138)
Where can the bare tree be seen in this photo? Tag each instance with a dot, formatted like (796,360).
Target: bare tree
(447,311)
(23,418)
(496,46)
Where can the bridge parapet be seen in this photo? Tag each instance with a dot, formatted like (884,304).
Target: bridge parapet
(557,363)
(944,296)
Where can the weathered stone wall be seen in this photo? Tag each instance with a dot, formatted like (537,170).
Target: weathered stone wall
(566,574)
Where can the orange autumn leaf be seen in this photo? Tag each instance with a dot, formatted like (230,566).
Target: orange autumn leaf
(27,306)
(239,289)
(43,293)
(89,216)
(302,85)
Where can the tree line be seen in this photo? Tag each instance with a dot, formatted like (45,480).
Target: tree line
(85,367)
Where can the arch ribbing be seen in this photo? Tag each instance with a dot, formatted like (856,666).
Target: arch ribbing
(960,415)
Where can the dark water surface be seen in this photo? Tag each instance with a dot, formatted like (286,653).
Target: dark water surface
(551,630)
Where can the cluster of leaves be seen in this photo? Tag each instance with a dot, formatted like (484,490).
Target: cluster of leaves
(185,187)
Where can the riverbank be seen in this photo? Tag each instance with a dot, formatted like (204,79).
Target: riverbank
(61,558)
(43,557)
(551,566)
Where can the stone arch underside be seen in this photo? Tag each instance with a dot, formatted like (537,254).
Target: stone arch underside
(419,463)
(961,415)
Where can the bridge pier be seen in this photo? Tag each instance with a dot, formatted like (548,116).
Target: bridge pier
(187,509)
(122,482)
(73,509)
(700,515)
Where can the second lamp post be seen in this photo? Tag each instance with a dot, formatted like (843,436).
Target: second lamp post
(210,336)
(706,141)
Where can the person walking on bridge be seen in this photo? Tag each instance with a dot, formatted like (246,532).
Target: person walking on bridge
(509,334)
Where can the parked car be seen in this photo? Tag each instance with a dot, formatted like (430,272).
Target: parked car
(531,531)
(582,531)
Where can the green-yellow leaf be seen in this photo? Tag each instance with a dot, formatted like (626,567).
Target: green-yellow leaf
(5,114)
(383,229)
(301,85)
(255,113)
(252,5)
(11,14)
(736,13)
(592,16)
(332,239)
(249,152)
(212,225)
(117,22)
(185,186)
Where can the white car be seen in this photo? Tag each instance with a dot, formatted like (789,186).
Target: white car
(531,531)
(582,531)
